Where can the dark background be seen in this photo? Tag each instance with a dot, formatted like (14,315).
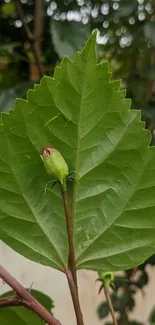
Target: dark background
(126,37)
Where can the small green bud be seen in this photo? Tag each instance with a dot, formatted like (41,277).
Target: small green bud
(55,164)
(106,277)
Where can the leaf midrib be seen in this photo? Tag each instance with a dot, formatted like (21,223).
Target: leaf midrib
(77,150)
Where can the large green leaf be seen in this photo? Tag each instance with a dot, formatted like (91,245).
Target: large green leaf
(105,144)
(23,316)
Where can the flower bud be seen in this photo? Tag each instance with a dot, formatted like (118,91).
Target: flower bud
(55,164)
(106,277)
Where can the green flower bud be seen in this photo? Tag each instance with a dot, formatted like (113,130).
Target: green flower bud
(106,277)
(55,164)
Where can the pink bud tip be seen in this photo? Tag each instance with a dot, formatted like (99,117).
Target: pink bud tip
(47,150)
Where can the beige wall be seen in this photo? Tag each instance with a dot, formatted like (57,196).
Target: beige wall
(54,284)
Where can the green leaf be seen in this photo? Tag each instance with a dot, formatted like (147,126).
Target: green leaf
(8,9)
(103,310)
(117,301)
(21,315)
(68,36)
(126,8)
(9,47)
(142,281)
(105,144)
(152,316)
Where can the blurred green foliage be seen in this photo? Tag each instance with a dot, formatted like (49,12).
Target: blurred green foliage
(126,38)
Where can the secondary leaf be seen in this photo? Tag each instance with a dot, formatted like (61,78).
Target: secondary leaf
(8,9)
(8,96)
(23,316)
(105,144)
(149,29)
(68,36)
(126,8)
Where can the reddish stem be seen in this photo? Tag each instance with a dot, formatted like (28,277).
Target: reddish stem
(72,263)
(10,301)
(75,298)
(26,299)
(71,273)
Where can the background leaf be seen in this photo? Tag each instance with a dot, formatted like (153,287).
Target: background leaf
(23,316)
(8,8)
(68,37)
(9,47)
(107,147)
(126,8)
(103,310)
(8,96)
(149,30)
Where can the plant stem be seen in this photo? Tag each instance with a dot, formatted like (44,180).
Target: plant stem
(21,57)
(71,272)
(27,299)
(75,298)
(22,18)
(38,34)
(111,309)
(72,263)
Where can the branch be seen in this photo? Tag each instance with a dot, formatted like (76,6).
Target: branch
(111,309)
(10,301)
(38,33)
(30,37)
(75,298)
(22,18)
(38,20)
(27,299)
(21,57)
